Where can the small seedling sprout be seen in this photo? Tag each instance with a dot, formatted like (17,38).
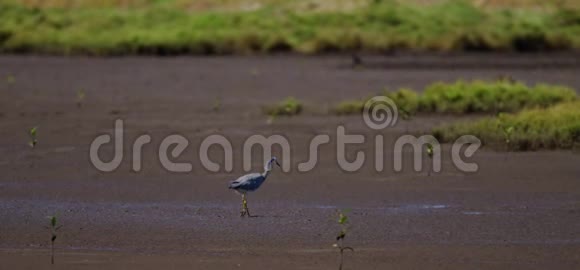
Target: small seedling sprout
(80,98)
(429,151)
(343,222)
(54,227)
(507,133)
(10,79)
(217,104)
(32,134)
(507,130)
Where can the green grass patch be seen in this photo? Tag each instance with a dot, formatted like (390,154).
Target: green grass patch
(470,97)
(491,97)
(175,27)
(348,107)
(288,107)
(407,100)
(557,127)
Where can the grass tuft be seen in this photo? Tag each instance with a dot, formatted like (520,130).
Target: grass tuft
(348,107)
(288,107)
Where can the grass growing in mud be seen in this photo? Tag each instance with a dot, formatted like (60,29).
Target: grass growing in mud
(349,107)
(471,97)
(482,97)
(547,128)
(163,27)
(288,107)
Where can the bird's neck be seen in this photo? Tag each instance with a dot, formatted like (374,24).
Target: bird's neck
(267,169)
(266,172)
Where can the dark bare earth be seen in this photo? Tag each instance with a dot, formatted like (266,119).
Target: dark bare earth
(520,211)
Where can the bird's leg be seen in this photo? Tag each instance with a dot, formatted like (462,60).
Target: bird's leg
(243,212)
(245,209)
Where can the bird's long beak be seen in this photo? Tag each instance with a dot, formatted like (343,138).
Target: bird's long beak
(278,164)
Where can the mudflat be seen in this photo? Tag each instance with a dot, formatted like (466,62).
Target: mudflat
(519,211)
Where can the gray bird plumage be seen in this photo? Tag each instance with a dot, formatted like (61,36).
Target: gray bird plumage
(248,182)
(251,182)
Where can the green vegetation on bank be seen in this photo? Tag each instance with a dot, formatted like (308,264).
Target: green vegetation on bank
(471,97)
(485,97)
(548,128)
(381,26)
(526,118)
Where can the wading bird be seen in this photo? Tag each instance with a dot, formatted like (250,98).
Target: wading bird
(251,182)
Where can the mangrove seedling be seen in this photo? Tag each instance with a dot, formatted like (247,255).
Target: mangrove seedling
(429,151)
(217,104)
(507,130)
(507,134)
(54,227)
(32,134)
(80,98)
(10,79)
(343,222)
(255,72)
